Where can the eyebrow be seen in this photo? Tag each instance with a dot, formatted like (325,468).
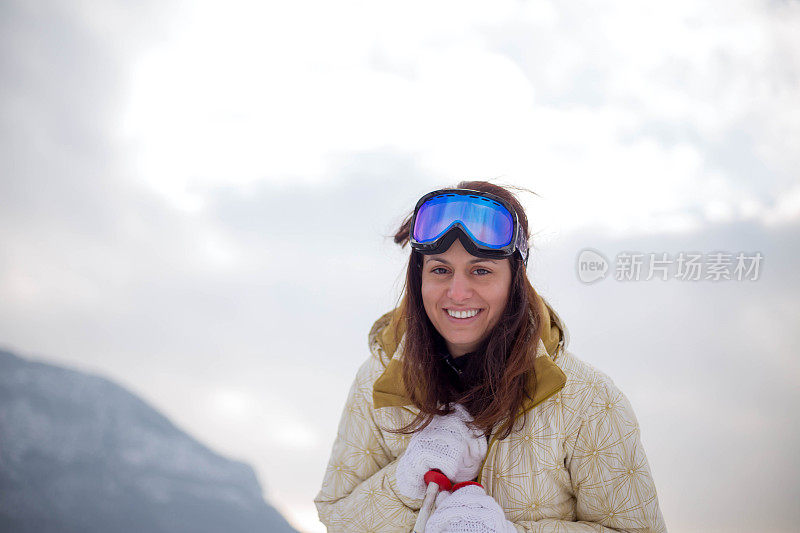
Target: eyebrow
(471,261)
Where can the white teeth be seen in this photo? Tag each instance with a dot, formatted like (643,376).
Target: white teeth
(463,314)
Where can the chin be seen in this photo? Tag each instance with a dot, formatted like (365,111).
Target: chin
(466,343)
(462,342)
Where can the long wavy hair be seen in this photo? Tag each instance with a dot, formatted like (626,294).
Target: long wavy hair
(493,383)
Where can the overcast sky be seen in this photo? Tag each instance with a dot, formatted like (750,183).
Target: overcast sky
(195,201)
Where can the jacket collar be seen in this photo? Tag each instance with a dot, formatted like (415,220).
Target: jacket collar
(547,378)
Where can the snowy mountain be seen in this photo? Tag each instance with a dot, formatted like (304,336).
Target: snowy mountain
(81,454)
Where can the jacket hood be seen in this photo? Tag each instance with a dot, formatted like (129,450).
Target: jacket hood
(386,339)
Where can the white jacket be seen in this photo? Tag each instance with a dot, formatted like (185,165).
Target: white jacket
(577,464)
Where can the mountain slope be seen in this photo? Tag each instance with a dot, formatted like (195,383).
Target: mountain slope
(79,453)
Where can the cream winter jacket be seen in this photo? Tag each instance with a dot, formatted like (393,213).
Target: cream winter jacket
(576,465)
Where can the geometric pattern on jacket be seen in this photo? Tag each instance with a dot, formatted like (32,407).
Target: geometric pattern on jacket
(576,465)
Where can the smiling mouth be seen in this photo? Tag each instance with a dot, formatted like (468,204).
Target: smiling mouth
(462,314)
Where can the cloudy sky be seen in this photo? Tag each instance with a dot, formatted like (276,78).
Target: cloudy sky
(195,201)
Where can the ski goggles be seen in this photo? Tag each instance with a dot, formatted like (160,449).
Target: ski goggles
(485,224)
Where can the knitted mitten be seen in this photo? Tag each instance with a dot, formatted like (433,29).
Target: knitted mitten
(446,444)
(468,510)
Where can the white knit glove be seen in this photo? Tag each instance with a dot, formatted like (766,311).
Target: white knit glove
(446,444)
(468,510)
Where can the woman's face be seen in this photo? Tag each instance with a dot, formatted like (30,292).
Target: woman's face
(457,284)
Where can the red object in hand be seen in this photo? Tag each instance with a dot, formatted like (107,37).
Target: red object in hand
(464,484)
(436,476)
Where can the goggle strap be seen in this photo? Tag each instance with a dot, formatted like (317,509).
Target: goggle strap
(522,244)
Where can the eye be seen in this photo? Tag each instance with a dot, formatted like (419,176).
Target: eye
(439,270)
(482,271)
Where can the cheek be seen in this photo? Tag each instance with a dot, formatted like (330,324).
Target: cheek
(428,295)
(500,296)
(498,305)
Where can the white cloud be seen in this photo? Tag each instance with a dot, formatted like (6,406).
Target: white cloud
(785,210)
(253,92)
(231,404)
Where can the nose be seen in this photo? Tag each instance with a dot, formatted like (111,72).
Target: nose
(460,288)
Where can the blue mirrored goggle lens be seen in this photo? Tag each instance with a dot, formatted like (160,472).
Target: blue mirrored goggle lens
(488,223)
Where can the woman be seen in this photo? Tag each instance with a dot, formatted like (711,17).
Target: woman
(471,376)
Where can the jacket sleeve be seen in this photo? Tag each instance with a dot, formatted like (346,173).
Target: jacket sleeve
(358,491)
(610,476)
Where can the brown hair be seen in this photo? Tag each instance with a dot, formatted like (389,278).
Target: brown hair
(494,383)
